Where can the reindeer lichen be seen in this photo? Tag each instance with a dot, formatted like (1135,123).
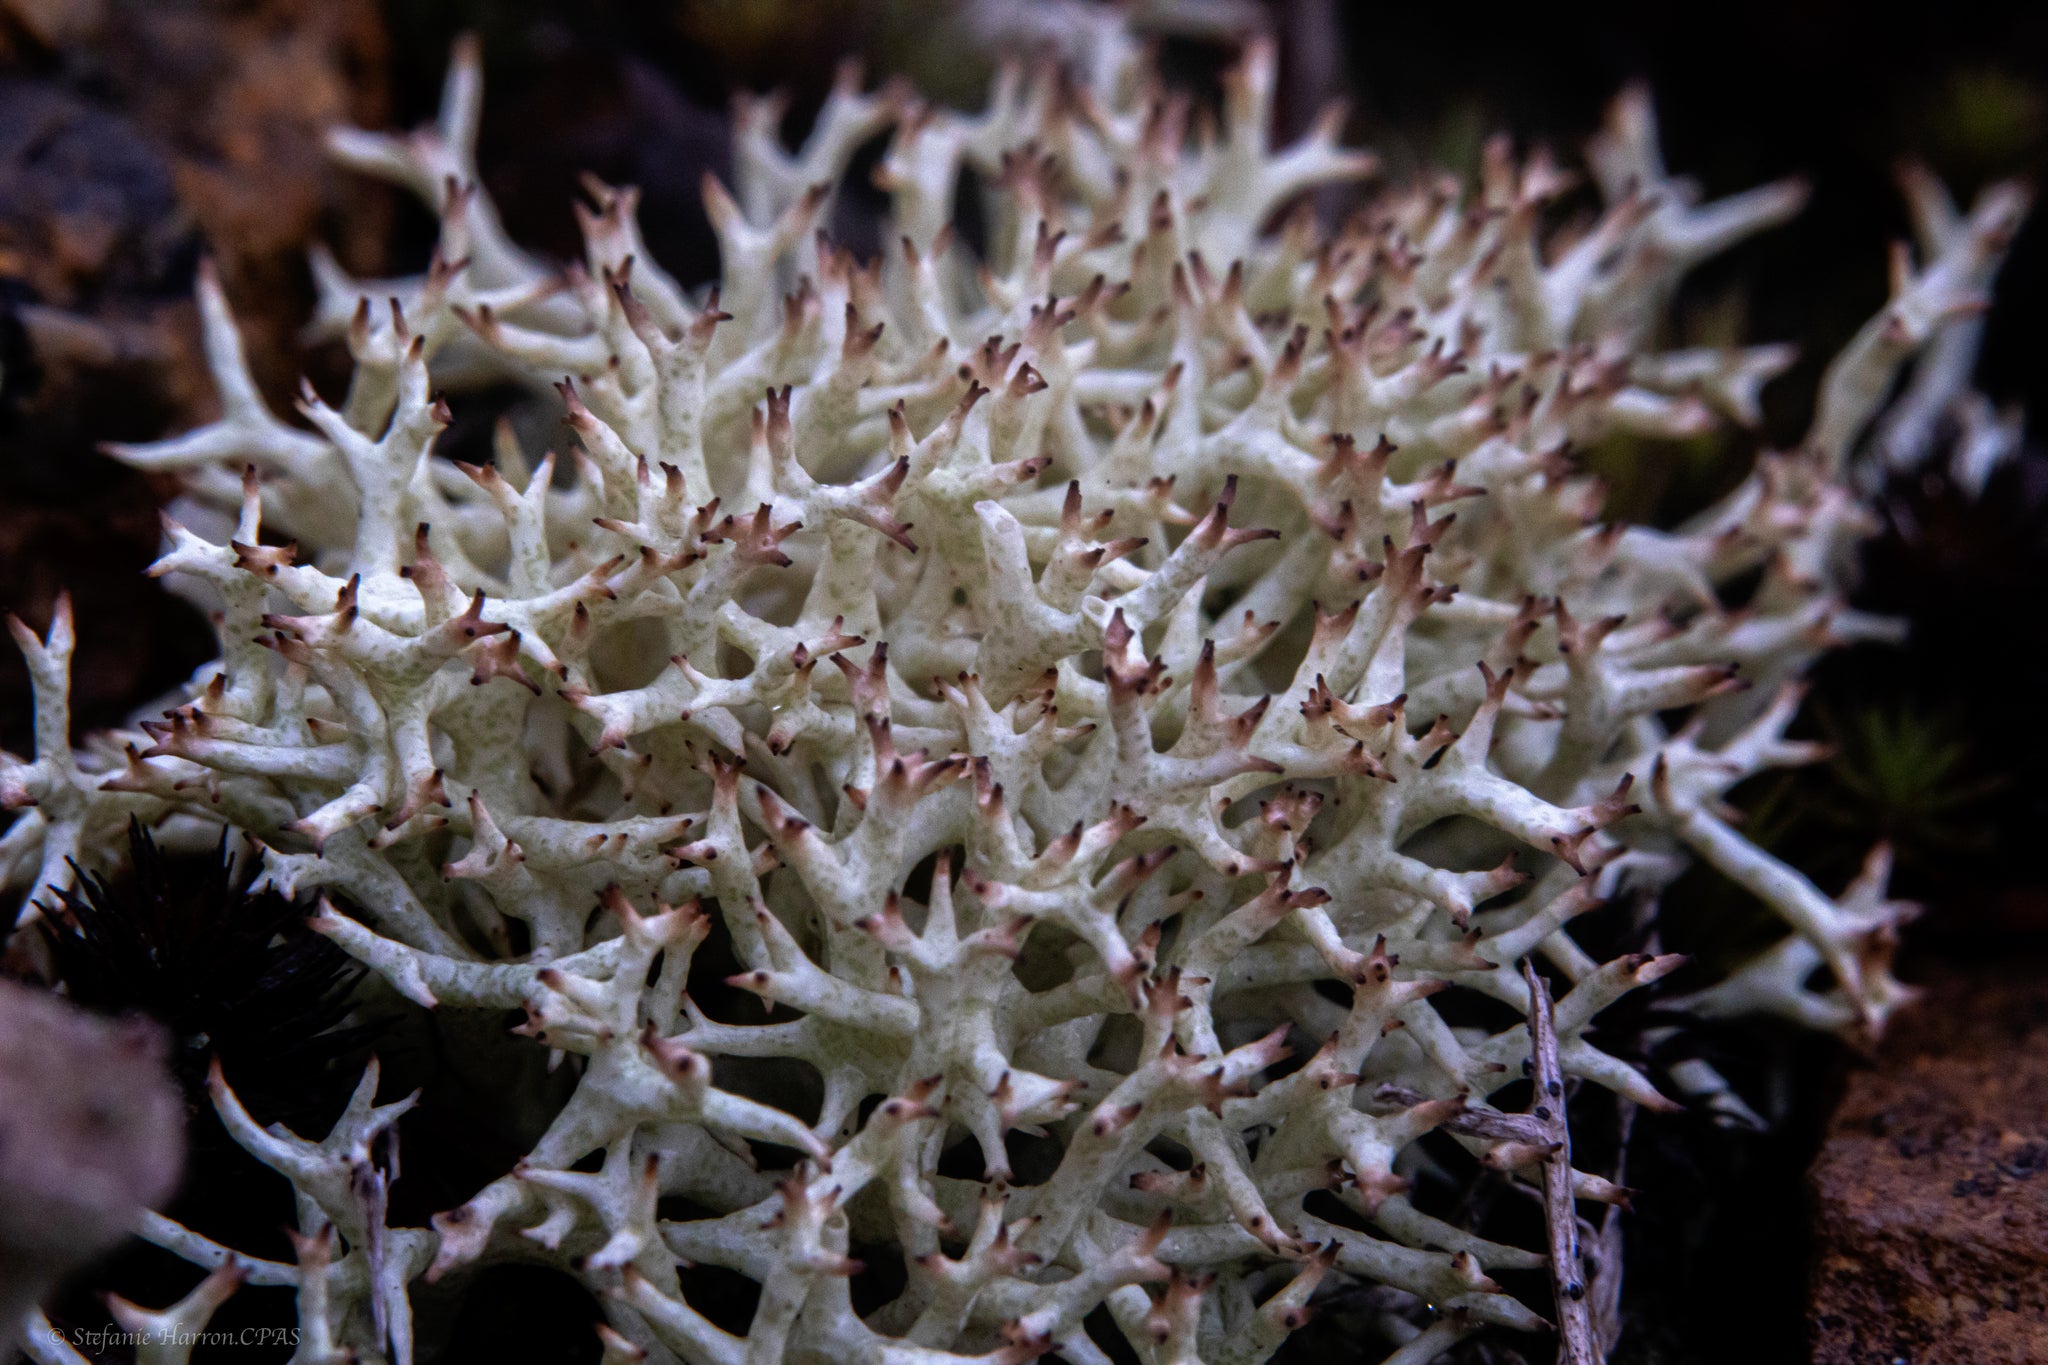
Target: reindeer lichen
(1069,677)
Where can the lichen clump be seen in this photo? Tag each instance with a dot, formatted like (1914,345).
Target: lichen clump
(1100,685)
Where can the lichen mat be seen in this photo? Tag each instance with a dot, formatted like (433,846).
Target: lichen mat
(1080,682)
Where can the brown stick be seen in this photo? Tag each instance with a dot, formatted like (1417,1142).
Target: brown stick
(1560,1213)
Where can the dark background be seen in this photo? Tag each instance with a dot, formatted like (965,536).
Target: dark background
(134,136)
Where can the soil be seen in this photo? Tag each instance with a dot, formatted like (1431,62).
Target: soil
(1930,1193)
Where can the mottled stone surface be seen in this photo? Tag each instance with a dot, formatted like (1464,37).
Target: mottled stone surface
(1931,1188)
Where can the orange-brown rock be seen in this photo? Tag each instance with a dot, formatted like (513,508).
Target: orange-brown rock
(1931,1189)
(241,98)
(202,128)
(135,134)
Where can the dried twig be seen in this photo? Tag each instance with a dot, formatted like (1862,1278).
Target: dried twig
(1560,1213)
(1604,1260)
(1479,1123)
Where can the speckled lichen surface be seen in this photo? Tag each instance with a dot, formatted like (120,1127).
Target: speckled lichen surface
(1103,686)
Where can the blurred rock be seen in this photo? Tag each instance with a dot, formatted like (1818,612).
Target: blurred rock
(1931,1188)
(239,97)
(92,1132)
(48,23)
(159,130)
(98,340)
(133,135)
(87,204)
